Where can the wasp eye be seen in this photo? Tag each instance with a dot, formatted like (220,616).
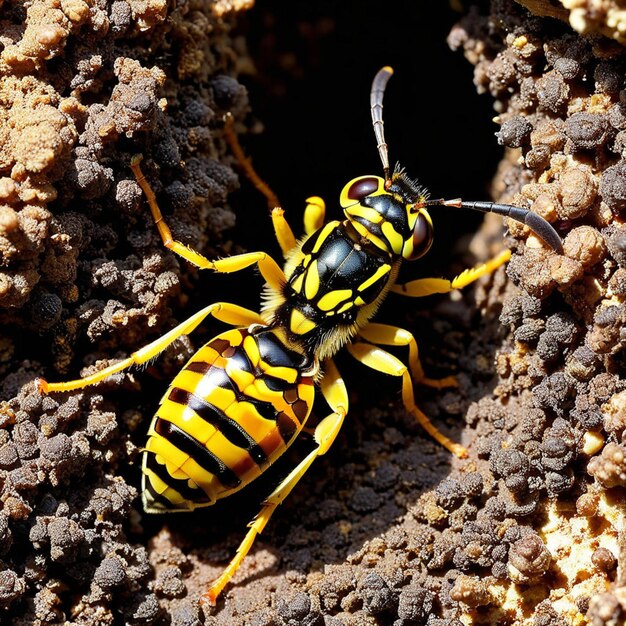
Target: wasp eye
(422,238)
(363,187)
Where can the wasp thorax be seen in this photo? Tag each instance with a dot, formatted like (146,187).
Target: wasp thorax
(386,217)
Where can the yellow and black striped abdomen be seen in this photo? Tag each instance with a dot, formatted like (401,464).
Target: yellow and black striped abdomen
(233,409)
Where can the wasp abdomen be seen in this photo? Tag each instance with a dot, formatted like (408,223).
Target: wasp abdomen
(233,410)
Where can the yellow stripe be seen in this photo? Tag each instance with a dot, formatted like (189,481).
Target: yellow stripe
(176,498)
(346,202)
(252,349)
(243,413)
(377,241)
(151,431)
(186,420)
(157,484)
(333,299)
(288,374)
(200,385)
(346,307)
(221,398)
(299,324)
(232,455)
(393,237)
(234,337)
(249,419)
(259,391)
(238,376)
(324,235)
(209,483)
(189,469)
(366,213)
(312,282)
(297,284)
(426,214)
(164,489)
(187,380)
(376,276)
(228,452)
(168,455)
(206,353)
(407,250)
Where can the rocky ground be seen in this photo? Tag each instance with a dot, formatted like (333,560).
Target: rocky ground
(387,528)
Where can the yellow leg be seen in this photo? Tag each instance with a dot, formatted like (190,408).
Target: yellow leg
(336,395)
(182,250)
(284,234)
(382,361)
(385,335)
(269,269)
(429,286)
(282,230)
(223,311)
(314,214)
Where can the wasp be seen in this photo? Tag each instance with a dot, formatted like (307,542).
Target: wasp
(244,397)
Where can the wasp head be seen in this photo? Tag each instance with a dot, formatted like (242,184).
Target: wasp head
(390,213)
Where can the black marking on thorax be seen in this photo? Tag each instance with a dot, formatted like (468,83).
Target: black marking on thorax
(344,261)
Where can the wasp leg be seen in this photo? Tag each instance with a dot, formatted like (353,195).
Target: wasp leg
(246,164)
(335,393)
(429,286)
(223,311)
(284,235)
(382,361)
(382,334)
(269,269)
(314,214)
(282,230)
(179,248)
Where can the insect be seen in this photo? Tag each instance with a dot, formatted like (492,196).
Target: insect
(245,396)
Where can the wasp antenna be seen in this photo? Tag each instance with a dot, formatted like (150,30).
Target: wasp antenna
(543,229)
(376,102)
(432,202)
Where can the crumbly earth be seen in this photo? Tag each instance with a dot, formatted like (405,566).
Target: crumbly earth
(84,86)
(387,529)
(604,17)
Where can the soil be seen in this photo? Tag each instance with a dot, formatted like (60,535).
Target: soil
(386,528)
